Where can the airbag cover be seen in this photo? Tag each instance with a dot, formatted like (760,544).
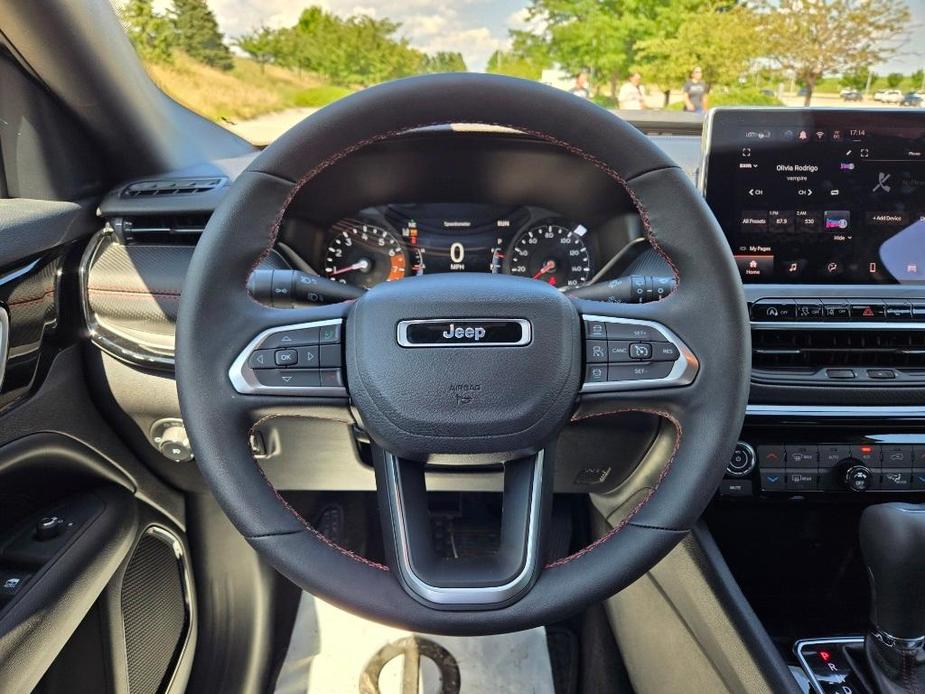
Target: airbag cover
(463,397)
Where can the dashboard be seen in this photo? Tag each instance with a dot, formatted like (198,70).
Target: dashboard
(820,196)
(390,242)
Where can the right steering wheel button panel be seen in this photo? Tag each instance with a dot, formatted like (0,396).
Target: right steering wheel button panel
(635,354)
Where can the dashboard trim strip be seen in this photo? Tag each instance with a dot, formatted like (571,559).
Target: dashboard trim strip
(838,325)
(836,410)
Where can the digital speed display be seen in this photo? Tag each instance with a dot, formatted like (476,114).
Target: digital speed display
(820,196)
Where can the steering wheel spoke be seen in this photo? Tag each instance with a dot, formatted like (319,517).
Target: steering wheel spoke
(467,582)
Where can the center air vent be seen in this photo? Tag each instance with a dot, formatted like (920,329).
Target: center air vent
(172,187)
(845,357)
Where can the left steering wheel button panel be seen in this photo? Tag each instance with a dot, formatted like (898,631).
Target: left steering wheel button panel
(304,359)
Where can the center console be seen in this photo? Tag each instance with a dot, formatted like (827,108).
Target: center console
(824,211)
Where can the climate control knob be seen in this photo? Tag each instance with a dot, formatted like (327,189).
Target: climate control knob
(858,476)
(742,461)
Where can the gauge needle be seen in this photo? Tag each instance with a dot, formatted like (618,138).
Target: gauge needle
(359,265)
(549,266)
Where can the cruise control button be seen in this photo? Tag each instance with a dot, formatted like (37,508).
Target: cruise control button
(331,378)
(773,480)
(631,332)
(286,357)
(641,351)
(664,351)
(596,351)
(618,351)
(287,378)
(595,330)
(261,359)
(330,355)
(596,373)
(634,372)
(329,334)
(291,338)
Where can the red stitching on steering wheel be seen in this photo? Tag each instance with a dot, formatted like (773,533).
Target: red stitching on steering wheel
(679,432)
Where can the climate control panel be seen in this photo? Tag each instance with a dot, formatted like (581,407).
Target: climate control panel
(894,463)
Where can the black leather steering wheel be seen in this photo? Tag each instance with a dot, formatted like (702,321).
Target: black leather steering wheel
(404,381)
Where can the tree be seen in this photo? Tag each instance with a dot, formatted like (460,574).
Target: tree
(918,79)
(151,33)
(262,44)
(198,34)
(599,35)
(856,78)
(813,38)
(445,61)
(723,40)
(894,79)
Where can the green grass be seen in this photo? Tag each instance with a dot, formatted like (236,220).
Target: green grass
(322,95)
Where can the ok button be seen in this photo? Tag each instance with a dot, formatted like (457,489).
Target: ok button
(286,357)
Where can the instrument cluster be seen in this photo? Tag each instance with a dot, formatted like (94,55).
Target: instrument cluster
(387,243)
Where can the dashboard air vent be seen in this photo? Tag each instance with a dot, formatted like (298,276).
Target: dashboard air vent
(184,229)
(847,357)
(172,187)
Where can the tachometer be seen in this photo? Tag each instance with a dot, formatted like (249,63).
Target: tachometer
(552,253)
(364,255)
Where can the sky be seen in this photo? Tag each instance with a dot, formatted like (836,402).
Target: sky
(475,28)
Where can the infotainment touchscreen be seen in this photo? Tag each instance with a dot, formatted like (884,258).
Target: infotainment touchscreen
(820,196)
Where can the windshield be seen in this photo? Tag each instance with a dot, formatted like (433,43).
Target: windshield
(259,66)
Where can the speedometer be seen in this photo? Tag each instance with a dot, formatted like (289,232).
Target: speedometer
(552,253)
(364,255)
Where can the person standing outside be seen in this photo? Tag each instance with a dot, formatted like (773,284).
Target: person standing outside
(582,86)
(696,92)
(632,96)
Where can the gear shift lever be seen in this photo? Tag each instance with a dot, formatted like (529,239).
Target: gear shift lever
(893,544)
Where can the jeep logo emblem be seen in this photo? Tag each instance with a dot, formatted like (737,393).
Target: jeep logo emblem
(459,333)
(465,332)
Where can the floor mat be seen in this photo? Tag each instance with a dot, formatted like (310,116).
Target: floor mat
(334,652)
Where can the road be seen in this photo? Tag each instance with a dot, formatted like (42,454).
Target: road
(264,129)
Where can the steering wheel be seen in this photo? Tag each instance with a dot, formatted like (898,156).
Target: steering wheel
(474,367)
